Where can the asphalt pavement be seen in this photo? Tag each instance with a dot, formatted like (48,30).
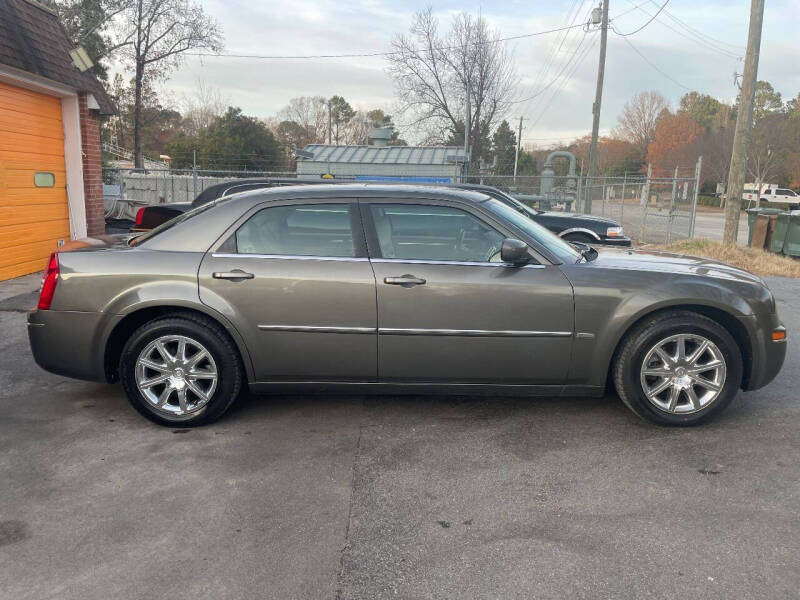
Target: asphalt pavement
(394,497)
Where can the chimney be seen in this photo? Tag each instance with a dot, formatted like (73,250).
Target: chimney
(380,136)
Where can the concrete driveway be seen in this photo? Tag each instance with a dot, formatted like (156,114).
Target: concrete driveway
(386,497)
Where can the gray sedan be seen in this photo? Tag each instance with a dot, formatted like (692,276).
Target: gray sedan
(399,289)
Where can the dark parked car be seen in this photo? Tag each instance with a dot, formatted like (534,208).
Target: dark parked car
(151,216)
(397,288)
(573,227)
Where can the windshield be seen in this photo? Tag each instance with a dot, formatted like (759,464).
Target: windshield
(561,249)
(170,224)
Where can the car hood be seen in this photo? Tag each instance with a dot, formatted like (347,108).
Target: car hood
(667,262)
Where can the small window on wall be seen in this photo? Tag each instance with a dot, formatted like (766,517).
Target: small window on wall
(43,179)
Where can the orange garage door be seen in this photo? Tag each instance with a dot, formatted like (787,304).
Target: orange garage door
(33,191)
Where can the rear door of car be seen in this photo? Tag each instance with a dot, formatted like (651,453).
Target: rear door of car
(450,312)
(294,278)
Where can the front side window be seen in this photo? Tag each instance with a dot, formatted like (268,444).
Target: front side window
(561,249)
(440,233)
(298,230)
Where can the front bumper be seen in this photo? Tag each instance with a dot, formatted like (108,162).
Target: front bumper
(767,356)
(67,343)
(618,241)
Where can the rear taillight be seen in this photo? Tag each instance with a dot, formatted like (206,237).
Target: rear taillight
(49,280)
(139,215)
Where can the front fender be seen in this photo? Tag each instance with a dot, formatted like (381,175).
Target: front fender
(605,313)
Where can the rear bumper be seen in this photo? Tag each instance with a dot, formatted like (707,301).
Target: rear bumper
(67,343)
(768,356)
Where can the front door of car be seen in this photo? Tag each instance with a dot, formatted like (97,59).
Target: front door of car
(295,280)
(450,312)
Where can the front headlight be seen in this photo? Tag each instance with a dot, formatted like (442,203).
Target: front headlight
(614,232)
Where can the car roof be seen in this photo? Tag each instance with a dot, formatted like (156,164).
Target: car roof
(358,190)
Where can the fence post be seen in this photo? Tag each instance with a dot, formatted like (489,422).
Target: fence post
(605,195)
(697,170)
(194,173)
(622,206)
(645,201)
(672,202)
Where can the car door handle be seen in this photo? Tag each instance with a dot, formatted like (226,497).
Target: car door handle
(235,275)
(404,280)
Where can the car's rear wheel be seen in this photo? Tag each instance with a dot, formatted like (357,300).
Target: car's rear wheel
(181,370)
(678,368)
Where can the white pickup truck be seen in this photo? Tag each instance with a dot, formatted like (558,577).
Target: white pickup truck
(772,194)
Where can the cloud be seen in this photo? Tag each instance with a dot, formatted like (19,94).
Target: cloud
(262,87)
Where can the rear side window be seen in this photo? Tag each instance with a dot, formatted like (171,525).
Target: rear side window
(298,230)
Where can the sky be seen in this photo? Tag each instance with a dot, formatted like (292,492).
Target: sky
(690,45)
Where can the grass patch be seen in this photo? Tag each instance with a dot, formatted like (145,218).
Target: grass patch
(754,260)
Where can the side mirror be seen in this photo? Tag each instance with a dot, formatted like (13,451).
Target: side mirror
(514,252)
(588,252)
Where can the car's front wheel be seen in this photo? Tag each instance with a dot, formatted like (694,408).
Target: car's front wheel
(181,370)
(678,368)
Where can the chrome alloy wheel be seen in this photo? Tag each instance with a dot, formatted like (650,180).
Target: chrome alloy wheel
(176,374)
(683,373)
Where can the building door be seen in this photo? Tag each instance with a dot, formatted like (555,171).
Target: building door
(33,191)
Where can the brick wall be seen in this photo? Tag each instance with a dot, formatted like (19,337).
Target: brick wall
(92,167)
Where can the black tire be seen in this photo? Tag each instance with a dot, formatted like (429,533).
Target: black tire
(583,238)
(215,340)
(644,336)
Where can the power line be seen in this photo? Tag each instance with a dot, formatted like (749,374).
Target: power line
(692,38)
(556,78)
(375,54)
(544,68)
(698,32)
(645,59)
(558,90)
(663,6)
(537,102)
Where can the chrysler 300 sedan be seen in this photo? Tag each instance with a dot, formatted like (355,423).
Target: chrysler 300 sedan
(398,288)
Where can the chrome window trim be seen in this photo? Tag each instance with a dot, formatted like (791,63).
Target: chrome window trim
(473,332)
(315,329)
(416,331)
(579,230)
(416,261)
(289,257)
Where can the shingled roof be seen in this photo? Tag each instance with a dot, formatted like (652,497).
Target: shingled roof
(33,39)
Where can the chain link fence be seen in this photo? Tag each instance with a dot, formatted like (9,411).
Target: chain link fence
(650,209)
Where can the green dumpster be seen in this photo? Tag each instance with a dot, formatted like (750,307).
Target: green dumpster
(752,215)
(779,233)
(791,245)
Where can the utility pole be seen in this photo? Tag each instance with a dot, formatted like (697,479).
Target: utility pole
(329,121)
(516,155)
(598,98)
(744,126)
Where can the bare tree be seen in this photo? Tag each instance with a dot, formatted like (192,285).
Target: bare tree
(773,139)
(203,107)
(716,148)
(311,113)
(432,73)
(154,35)
(637,123)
